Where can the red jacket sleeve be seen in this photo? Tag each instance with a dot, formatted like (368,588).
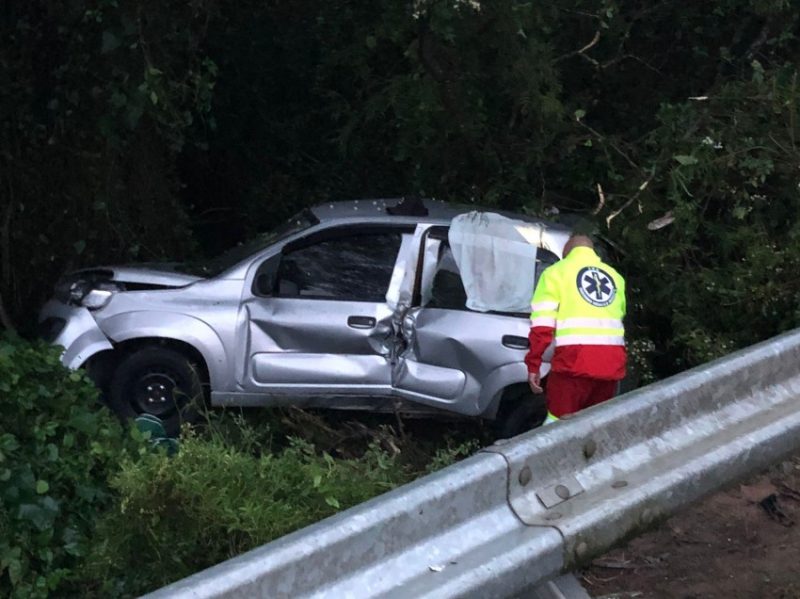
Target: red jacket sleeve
(544,310)
(539,340)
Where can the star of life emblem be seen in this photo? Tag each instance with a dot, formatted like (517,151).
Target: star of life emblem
(596,286)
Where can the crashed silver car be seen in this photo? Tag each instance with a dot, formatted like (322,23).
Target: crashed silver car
(351,305)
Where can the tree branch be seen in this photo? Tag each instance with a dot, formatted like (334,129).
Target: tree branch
(601,200)
(630,201)
(600,137)
(582,51)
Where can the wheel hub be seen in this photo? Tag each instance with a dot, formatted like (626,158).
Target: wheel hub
(155,393)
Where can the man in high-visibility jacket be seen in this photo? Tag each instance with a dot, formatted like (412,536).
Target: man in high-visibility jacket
(580,301)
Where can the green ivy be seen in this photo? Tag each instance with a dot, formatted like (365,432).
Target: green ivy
(56,451)
(213,500)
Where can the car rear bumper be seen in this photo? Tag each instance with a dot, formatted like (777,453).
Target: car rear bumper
(74,329)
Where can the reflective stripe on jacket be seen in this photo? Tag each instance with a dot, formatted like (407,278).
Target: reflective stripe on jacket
(580,301)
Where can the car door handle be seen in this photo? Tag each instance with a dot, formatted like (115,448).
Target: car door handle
(361,322)
(515,342)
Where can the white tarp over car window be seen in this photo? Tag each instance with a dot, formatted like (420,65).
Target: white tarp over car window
(496,257)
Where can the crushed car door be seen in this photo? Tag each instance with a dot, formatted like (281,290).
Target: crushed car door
(451,350)
(318,319)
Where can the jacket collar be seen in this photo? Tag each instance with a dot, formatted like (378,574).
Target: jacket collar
(582,251)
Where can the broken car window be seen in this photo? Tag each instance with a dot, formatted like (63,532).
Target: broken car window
(448,290)
(357,267)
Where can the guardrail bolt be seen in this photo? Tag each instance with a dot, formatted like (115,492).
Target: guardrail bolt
(562,492)
(525,476)
(618,484)
(589,448)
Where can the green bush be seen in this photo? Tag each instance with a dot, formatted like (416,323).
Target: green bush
(85,511)
(213,501)
(56,449)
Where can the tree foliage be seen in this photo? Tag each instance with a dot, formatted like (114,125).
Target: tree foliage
(96,101)
(88,510)
(148,130)
(56,451)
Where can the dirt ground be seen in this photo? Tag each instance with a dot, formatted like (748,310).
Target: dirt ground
(742,542)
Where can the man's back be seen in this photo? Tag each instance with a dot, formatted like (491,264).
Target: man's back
(580,301)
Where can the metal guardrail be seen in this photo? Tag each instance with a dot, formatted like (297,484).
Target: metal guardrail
(522,511)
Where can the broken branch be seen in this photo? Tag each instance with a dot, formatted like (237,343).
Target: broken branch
(630,201)
(582,51)
(601,200)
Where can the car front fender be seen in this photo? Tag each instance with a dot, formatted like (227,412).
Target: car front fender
(174,327)
(78,333)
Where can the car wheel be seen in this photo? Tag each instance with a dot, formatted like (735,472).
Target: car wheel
(520,414)
(157,381)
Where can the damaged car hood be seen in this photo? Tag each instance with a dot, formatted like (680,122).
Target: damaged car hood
(160,275)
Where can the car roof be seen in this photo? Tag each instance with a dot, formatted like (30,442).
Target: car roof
(438,211)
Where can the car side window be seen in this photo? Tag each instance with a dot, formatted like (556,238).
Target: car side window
(448,290)
(357,268)
(544,258)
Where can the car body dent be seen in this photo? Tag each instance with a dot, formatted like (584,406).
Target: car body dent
(426,380)
(290,342)
(267,351)
(468,346)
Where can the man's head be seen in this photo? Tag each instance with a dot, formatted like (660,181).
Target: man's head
(577,241)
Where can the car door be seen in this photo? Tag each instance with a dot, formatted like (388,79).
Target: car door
(317,322)
(452,352)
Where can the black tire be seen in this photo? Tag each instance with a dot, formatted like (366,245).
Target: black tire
(519,414)
(158,381)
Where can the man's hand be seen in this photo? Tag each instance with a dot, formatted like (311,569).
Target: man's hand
(535,382)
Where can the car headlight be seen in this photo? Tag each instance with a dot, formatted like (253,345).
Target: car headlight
(96,298)
(92,295)
(78,290)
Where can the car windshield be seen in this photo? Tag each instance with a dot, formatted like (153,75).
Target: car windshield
(219,264)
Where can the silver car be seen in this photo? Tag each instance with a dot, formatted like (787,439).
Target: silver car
(352,305)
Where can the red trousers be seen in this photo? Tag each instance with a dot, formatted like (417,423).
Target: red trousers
(567,394)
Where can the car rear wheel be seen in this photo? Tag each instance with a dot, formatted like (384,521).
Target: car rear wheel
(158,381)
(520,411)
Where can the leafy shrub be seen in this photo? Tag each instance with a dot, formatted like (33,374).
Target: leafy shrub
(56,449)
(640,363)
(84,511)
(713,246)
(79,503)
(451,453)
(213,501)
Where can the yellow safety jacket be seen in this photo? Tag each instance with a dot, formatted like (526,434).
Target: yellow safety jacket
(580,301)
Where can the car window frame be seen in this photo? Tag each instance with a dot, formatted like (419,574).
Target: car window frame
(440,232)
(320,236)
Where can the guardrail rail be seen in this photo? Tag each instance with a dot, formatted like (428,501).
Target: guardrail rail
(522,511)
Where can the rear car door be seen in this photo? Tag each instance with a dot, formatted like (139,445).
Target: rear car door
(452,352)
(317,322)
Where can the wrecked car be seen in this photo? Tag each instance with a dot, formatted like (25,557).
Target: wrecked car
(352,305)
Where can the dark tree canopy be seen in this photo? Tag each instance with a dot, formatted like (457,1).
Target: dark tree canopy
(144,130)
